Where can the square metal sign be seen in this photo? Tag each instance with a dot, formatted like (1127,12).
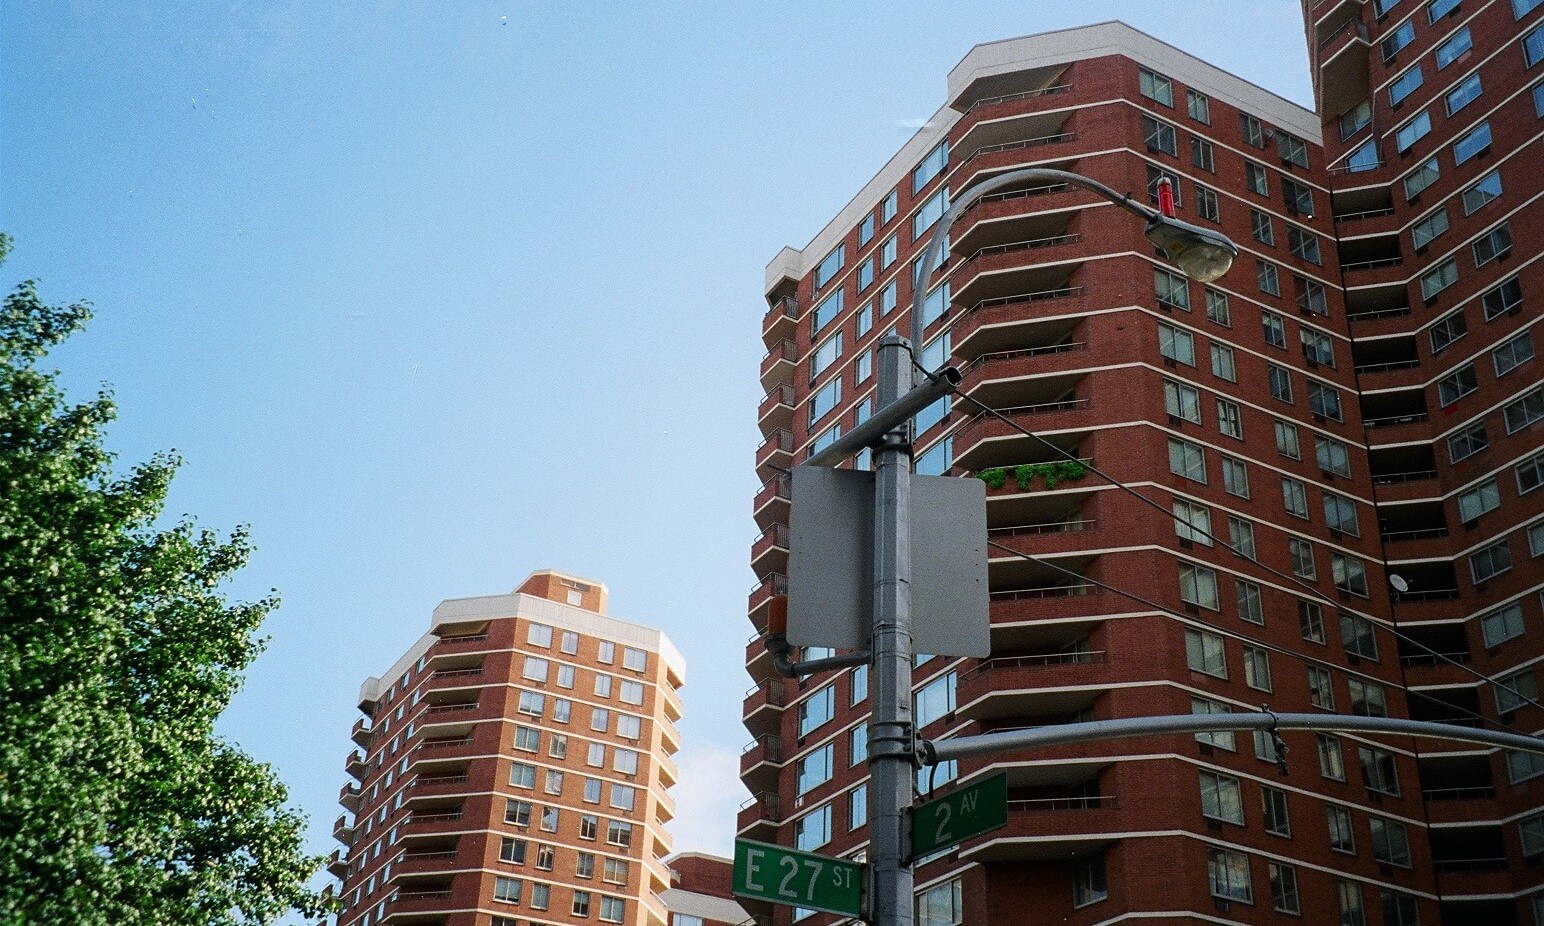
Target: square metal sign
(831,572)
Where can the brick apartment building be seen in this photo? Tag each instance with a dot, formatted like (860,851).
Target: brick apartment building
(1319,410)
(512,768)
(701,892)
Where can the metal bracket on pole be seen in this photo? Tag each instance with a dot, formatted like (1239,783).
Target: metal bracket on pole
(777,644)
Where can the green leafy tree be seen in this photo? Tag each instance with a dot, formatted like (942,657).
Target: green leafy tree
(118,649)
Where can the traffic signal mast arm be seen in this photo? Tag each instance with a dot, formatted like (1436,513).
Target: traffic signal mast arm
(935,751)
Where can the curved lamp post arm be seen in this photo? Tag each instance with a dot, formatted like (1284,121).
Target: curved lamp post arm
(932,255)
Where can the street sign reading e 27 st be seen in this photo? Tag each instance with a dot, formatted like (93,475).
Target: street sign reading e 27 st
(958,816)
(802,879)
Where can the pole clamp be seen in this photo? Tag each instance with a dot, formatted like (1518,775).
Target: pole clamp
(897,739)
(1278,745)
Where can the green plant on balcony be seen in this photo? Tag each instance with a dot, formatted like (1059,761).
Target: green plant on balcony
(1050,473)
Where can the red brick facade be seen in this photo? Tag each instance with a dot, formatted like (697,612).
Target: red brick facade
(1242,405)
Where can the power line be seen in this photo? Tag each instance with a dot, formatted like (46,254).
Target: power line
(1254,641)
(1169,515)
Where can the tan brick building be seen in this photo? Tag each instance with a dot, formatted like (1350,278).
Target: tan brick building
(513,767)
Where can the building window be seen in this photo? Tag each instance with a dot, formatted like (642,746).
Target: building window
(1277,819)
(1206,204)
(1350,574)
(1512,353)
(1321,690)
(1250,606)
(1227,875)
(1332,763)
(1402,35)
(1230,420)
(1187,459)
(830,266)
(1156,87)
(1221,798)
(1481,499)
(1355,119)
(942,905)
(1467,91)
(1340,514)
(1405,84)
(1223,366)
(1297,196)
(1474,142)
(1317,347)
(1368,699)
(1256,179)
(934,700)
(1429,228)
(1358,636)
(1457,384)
(1294,496)
(1349,896)
(1439,278)
(1524,411)
(1202,154)
(1176,344)
(506,890)
(619,833)
(1182,401)
(512,850)
(1284,888)
(1261,228)
(1088,881)
(1267,276)
(1446,330)
(1303,244)
(1421,178)
(1235,477)
(1493,244)
(930,212)
(1252,130)
(813,830)
(814,769)
(581,905)
(1502,625)
(1280,382)
(1399,909)
(1205,653)
(1333,456)
(931,166)
(1159,136)
(1293,150)
(1342,836)
(612,909)
(1287,440)
(1192,522)
(1437,9)
(816,709)
(1274,329)
(887,209)
(857,807)
(1485,190)
(1198,586)
(1489,562)
(1222,739)
(825,313)
(1413,131)
(532,703)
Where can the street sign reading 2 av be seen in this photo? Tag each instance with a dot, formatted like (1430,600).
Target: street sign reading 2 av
(958,816)
(801,879)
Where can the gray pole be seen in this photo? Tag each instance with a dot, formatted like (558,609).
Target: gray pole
(891,735)
(1061,734)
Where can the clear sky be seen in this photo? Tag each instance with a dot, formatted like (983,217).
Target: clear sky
(435,294)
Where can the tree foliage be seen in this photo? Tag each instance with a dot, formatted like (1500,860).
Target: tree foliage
(118,650)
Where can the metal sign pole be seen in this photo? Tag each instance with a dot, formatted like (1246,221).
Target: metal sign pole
(891,734)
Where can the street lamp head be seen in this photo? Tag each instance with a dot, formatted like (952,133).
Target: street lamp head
(1201,253)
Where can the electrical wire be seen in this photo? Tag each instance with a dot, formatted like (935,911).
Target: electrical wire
(1253,641)
(1313,591)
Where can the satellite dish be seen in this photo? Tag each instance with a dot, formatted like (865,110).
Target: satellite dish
(1399,583)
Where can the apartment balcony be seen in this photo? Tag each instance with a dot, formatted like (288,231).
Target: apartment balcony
(775,413)
(985,441)
(1043,308)
(1471,859)
(440,782)
(774,454)
(429,860)
(349,796)
(1342,56)
(1377,310)
(1049,829)
(454,642)
(1004,144)
(337,863)
(773,501)
(1050,89)
(759,816)
(758,659)
(425,899)
(343,829)
(762,593)
(762,712)
(446,680)
(1005,271)
(356,766)
(360,733)
(780,322)
(1022,211)
(761,762)
(433,821)
(1373,271)
(778,364)
(769,551)
(1023,688)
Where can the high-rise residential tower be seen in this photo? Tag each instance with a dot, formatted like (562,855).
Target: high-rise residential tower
(1431,116)
(1240,409)
(512,768)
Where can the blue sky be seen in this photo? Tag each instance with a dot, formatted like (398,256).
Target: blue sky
(433,295)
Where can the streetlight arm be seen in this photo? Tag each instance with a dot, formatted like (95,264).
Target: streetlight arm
(935,751)
(932,255)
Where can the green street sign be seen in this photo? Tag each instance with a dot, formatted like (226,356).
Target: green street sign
(801,879)
(958,816)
